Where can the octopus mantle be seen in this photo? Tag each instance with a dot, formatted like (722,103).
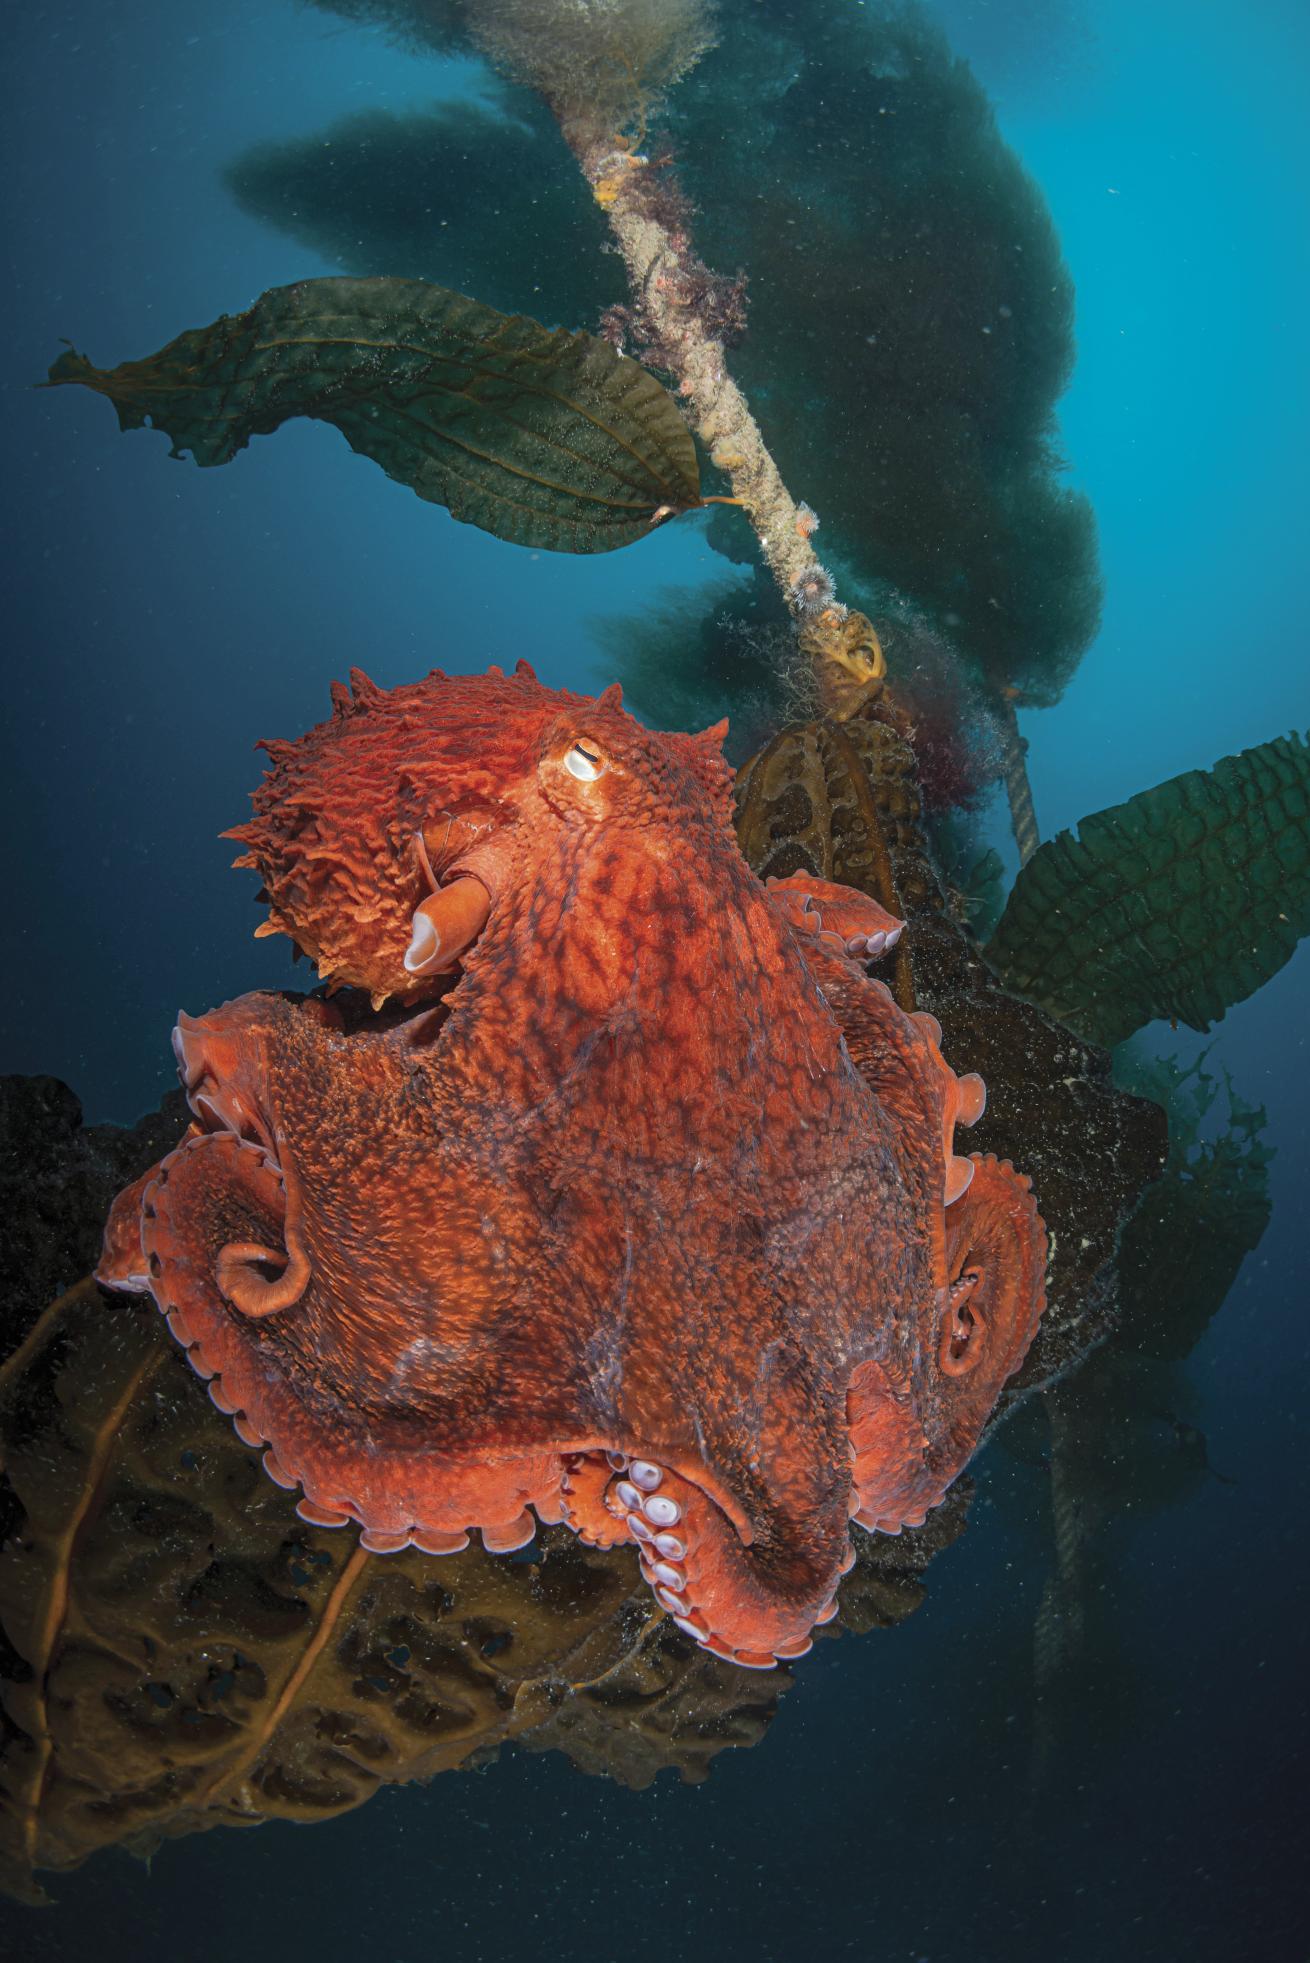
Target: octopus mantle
(633,1202)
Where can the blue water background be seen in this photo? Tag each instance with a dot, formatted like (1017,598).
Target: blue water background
(159,618)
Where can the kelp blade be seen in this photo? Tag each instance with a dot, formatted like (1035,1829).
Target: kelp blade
(543,438)
(1177,904)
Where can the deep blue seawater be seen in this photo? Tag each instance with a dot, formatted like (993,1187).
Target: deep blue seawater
(159,618)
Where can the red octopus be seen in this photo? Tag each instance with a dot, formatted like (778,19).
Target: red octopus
(633,1201)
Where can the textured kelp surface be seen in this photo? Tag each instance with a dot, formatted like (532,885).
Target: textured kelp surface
(551,440)
(1177,904)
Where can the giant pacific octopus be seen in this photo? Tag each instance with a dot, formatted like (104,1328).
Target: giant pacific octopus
(631,1201)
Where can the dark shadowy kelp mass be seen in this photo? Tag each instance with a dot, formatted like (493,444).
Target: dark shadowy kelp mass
(911,320)
(478,196)
(910,325)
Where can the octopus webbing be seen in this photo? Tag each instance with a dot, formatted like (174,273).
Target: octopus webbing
(631,1201)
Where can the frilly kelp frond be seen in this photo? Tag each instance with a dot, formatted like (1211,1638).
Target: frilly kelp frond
(1175,905)
(542,438)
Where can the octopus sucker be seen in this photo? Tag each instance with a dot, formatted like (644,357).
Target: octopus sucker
(430,1540)
(959,1178)
(549,1509)
(680,1567)
(278,1473)
(382,1543)
(508,1536)
(634,1200)
(321,1516)
(247,1432)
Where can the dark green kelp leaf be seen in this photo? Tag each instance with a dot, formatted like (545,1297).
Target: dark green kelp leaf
(543,438)
(1177,904)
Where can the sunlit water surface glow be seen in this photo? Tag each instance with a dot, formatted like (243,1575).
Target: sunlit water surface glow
(160,618)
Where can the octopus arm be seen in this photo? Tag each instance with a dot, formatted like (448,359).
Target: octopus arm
(982,1323)
(900,1057)
(988,1261)
(839,918)
(122,1264)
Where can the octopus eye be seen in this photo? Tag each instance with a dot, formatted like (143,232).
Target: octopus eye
(583,763)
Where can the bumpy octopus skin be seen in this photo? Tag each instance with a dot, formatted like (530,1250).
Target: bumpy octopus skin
(634,1204)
